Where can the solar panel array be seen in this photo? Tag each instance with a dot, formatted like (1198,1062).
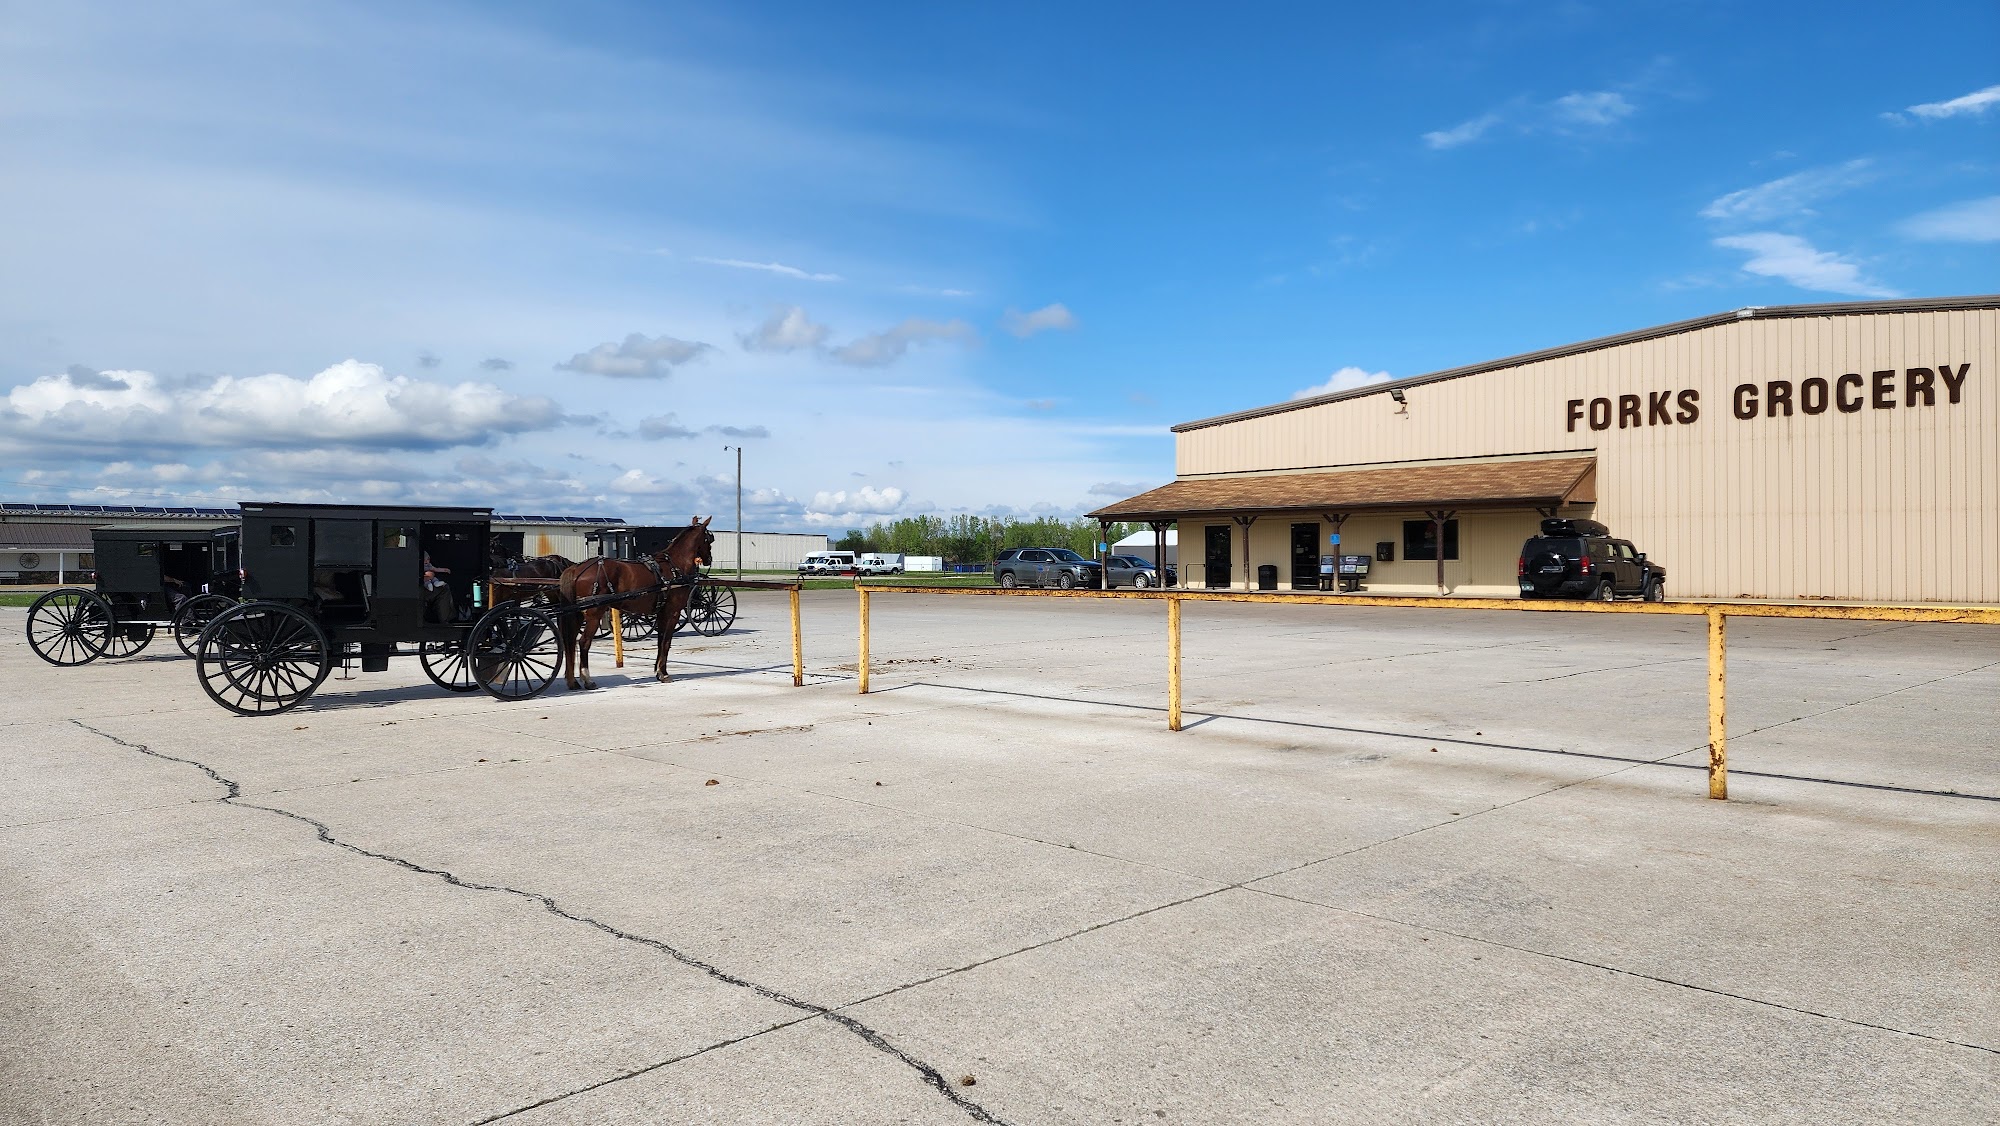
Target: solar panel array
(26,509)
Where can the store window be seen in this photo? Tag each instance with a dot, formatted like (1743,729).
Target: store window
(1420,539)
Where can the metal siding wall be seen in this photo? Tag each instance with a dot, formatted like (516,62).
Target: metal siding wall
(1883,505)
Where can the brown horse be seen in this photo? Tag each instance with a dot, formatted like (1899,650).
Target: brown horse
(677,566)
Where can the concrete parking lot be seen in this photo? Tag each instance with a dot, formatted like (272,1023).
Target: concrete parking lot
(1402,866)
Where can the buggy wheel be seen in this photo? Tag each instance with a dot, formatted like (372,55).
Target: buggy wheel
(71,626)
(637,627)
(128,639)
(262,658)
(515,651)
(194,616)
(446,664)
(711,610)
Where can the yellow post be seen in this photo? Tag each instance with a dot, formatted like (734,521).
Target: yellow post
(798,645)
(861,662)
(617,638)
(1718,728)
(1173,662)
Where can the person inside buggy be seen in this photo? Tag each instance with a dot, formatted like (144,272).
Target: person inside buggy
(453,558)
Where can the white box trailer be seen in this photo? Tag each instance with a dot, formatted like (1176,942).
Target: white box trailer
(915,563)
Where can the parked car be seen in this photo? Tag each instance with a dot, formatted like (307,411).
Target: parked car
(828,563)
(877,563)
(1136,571)
(1058,567)
(1581,559)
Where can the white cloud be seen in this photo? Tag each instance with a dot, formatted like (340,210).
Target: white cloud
(785,330)
(636,358)
(778,268)
(843,507)
(1792,259)
(1974,104)
(669,426)
(1569,115)
(1118,489)
(1974,220)
(1346,379)
(638,482)
(887,347)
(348,404)
(1787,195)
(665,426)
(1463,133)
(1052,316)
(1600,107)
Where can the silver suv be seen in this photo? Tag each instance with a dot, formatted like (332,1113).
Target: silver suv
(1058,567)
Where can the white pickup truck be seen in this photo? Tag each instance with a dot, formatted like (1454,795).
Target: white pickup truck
(876,563)
(828,563)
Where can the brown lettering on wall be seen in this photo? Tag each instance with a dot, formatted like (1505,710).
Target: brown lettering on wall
(1690,401)
(1656,408)
(1813,395)
(1746,400)
(1953,383)
(1776,398)
(1918,382)
(1885,391)
(1840,399)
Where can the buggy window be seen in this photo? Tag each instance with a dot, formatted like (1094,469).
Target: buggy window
(147,548)
(284,535)
(397,537)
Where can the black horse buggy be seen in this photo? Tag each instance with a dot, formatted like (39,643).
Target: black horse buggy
(711,609)
(329,584)
(148,579)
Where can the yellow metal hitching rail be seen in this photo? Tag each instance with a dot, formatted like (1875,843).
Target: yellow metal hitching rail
(1717,614)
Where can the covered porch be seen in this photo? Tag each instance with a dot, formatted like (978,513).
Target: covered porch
(1423,528)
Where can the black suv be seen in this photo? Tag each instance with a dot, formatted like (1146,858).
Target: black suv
(1579,559)
(1045,566)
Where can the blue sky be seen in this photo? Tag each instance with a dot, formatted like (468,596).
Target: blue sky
(914,258)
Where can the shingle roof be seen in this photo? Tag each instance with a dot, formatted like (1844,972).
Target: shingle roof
(44,537)
(1488,484)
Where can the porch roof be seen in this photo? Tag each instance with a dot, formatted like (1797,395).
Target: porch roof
(1537,483)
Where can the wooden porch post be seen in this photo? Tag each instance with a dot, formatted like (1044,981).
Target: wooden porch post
(1244,522)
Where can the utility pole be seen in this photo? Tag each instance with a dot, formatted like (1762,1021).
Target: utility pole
(739,507)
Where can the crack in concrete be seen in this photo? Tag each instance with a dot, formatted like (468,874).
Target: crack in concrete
(931,1076)
(1711,990)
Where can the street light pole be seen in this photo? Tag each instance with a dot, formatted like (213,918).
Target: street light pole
(739,507)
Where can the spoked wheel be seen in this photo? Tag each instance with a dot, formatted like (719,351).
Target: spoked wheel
(262,658)
(515,651)
(446,664)
(637,627)
(71,626)
(194,616)
(129,638)
(711,610)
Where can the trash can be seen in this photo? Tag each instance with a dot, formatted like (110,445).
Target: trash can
(1267,577)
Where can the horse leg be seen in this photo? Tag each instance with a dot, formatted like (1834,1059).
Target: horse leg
(569,624)
(591,618)
(669,611)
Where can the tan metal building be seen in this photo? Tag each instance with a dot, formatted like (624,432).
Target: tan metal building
(1845,451)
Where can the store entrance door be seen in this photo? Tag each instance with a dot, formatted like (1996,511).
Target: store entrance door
(1216,556)
(1305,556)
